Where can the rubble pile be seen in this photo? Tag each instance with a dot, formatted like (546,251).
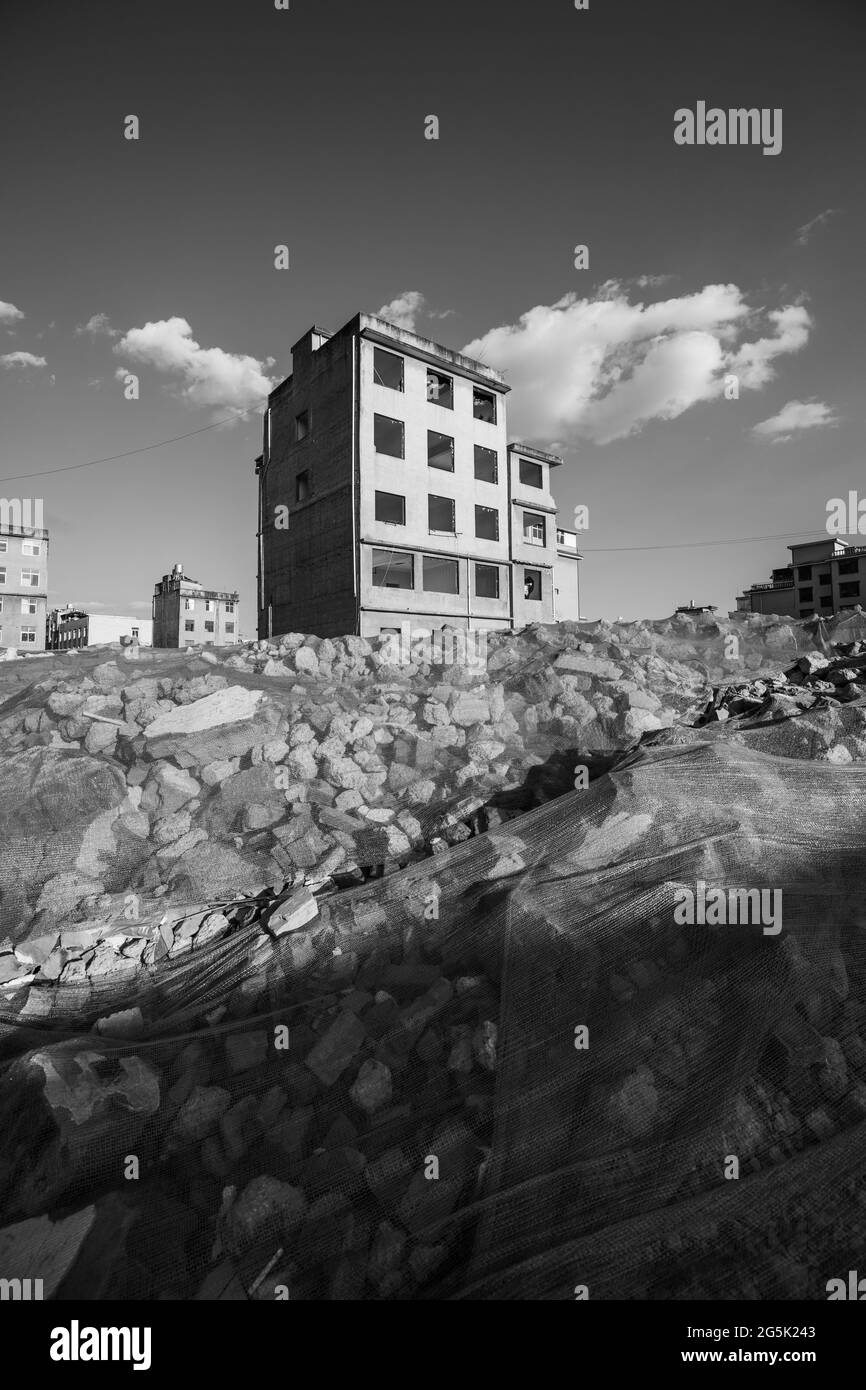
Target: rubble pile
(201,775)
(310,939)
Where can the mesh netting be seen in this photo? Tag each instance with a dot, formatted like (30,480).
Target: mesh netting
(528,1062)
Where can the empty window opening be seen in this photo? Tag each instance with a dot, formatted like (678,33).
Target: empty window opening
(387,369)
(388,436)
(440,451)
(532,585)
(440,390)
(391,508)
(486,465)
(487,581)
(440,513)
(302,425)
(302,486)
(392,570)
(533,528)
(440,575)
(531,474)
(487,523)
(483,405)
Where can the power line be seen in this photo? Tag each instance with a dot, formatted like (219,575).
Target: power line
(145,448)
(686,545)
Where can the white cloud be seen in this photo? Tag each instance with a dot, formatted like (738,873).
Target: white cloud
(603,368)
(207,376)
(21,359)
(98,326)
(795,416)
(405,310)
(9,313)
(804,232)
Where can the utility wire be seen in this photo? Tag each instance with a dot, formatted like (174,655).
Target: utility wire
(110,458)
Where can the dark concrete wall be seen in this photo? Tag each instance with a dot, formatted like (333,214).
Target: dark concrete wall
(308,570)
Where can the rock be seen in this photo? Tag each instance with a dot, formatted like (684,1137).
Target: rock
(266,1209)
(43,1250)
(199,1115)
(245,1050)
(372,1088)
(336,1050)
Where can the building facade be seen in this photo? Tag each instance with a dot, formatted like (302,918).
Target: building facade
(388,491)
(185,613)
(72,628)
(824,577)
(23,585)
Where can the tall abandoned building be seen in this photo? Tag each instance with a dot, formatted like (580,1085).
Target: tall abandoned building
(823,577)
(388,492)
(23,575)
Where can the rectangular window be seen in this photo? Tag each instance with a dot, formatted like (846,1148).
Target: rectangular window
(387,369)
(189,604)
(848,566)
(230,627)
(2,574)
(1,604)
(135,632)
(208,605)
(302,425)
(230,608)
(825,579)
(440,389)
(30,577)
(805,595)
(531,474)
(189,626)
(391,508)
(28,605)
(440,513)
(532,585)
(28,634)
(487,581)
(208,627)
(31,548)
(302,486)
(483,405)
(440,451)
(4,546)
(486,465)
(388,436)
(804,571)
(533,528)
(440,576)
(487,523)
(392,570)
(851,590)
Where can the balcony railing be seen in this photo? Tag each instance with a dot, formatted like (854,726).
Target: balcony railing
(779,584)
(567,539)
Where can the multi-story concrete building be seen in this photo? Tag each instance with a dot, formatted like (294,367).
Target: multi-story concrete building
(185,613)
(388,491)
(71,628)
(824,577)
(23,581)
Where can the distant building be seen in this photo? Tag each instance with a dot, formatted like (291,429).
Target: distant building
(566,576)
(23,576)
(823,578)
(70,628)
(692,607)
(185,613)
(388,492)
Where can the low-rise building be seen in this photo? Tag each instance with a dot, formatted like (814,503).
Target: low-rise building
(186,614)
(824,577)
(72,628)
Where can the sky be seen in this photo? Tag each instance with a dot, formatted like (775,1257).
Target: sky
(305,127)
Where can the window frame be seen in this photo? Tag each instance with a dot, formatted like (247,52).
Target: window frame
(478,392)
(494,511)
(532,598)
(540,521)
(385,521)
(441,530)
(440,376)
(483,449)
(482,565)
(450,438)
(391,420)
(439,560)
(530,464)
(402,555)
(397,357)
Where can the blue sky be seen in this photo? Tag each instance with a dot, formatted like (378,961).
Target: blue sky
(306,127)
